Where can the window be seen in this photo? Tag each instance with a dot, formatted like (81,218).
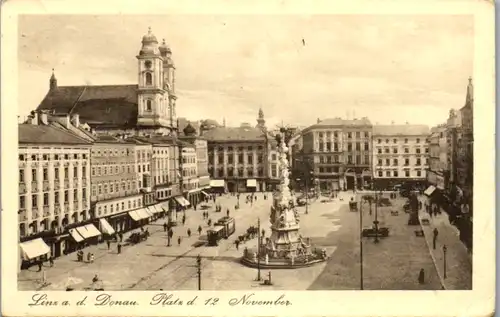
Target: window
(66,173)
(349,159)
(66,156)
(328,147)
(21,176)
(418,140)
(358,146)
(426,150)
(380,162)
(394,141)
(358,134)
(418,161)
(367,146)
(379,151)
(349,146)
(395,173)
(75,172)
(417,150)
(240,158)
(230,159)
(149,106)
(380,173)
(406,140)
(66,196)
(379,141)
(335,147)
(407,162)
(407,150)
(75,195)
(56,198)
(321,169)
(407,173)
(335,134)
(395,150)
(149,79)
(387,162)
(250,148)
(367,159)
(34,201)
(388,173)
(45,199)
(329,159)
(260,158)
(387,150)
(321,145)
(395,162)
(386,140)
(419,173)
(349,135)
(367,134)
(22,202)
(33,175)
(321,159)
(250,158)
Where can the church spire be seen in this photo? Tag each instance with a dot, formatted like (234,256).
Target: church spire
(261,122)
(53,81)
(469,99)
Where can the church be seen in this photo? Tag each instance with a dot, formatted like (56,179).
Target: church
(143,109)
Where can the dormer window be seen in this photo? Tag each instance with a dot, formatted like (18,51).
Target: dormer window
(149,79)
(149,106)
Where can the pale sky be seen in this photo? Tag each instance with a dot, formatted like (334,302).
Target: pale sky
(388,68)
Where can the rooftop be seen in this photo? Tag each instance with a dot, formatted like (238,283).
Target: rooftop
(228,134)
(47,134)
(401,129)
(341,123)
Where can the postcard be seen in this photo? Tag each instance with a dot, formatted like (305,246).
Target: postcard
(272,158)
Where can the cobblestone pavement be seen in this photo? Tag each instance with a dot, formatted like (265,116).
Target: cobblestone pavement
(458,260)
(391,264)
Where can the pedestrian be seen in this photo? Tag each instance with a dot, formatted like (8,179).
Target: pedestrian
(165,227)
(179,240)
(189,232)
(108,243)
(227,212)
(435,233)
(209,222)
(95,279)
(421,277)
(237,243)
(121,237)
(88,256)
(183,219)
(119,248)
(51,262)
(199,230)
(91,258)
(40,265)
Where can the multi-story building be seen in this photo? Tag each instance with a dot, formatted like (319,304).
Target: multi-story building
(191,136)
(54,186)
(453,133)
(338,152)
(189,173)
(437,173)
(142,109)
(115,198)
(238,158)
(400,155)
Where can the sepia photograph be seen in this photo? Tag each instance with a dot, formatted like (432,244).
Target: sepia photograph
(246,152)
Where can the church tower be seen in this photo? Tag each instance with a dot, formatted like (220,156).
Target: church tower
(53,81)
(152,102)
(261,122)
(169,83)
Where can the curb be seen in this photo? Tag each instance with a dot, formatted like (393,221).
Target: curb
(441,279)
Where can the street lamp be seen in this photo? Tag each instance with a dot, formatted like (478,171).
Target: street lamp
(361,244)
(258,250)
(375,222)
(444,258)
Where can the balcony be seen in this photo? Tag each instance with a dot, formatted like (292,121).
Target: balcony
(34,186)
(22,188)
(46,186)
(66,208)
(66,183)
(75,182)
(46,211)
(35,214)
(57,184)
(57,209)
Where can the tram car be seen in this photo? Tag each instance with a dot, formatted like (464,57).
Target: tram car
(222,229)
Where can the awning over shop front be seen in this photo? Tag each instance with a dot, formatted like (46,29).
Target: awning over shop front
(75,235)
(217,183)
(251,183)
(182,201)
(143,214)
(165,206)
(149,211)
(205,194)
(88,231)
(34,248)
(106,227)
(429,190)
(134,215)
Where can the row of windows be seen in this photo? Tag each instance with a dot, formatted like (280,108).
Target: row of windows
(357,134)
(45,174)
(156,151)
(329,159)
(328,169)
(189,186)
(112,187)
(46,198)
(188,159)
(48,157)
(231,172)
(327,146)
(163,179)
(188,172)
(103,209)
(163,194)
(395,162)
(240,148)
(406,150)
(143,168)
(110,152)
(112,169)
(358,161)
(396,173)
(379,141)
(240,159)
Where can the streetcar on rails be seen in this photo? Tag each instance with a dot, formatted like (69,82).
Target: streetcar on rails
(223,228)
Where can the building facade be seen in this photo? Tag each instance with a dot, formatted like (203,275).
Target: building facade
(338,153)
(437,174)
(54,185)
(401,155)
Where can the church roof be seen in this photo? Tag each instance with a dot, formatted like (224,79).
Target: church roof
(47,134)
(113,105)
(229,134)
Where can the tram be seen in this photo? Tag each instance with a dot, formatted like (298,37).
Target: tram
(222,229)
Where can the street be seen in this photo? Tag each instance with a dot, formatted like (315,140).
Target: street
(391,264)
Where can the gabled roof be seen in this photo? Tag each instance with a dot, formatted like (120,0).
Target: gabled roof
(401,129)
(234,134)
(47,134)
(114,105)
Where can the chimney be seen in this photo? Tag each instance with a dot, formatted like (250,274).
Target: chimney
(43,117)
(67,122)
(75,120)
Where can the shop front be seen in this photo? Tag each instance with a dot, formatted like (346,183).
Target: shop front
(181,203)
(140,217)
(33,251)
(120,222)
(106,229)
(251,185)
(218,186)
